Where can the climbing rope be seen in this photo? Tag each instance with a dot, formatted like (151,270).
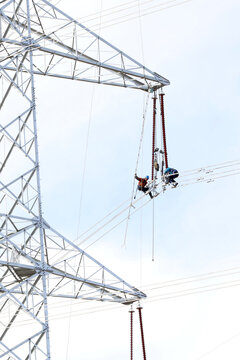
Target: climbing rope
(136,167)
(142,132)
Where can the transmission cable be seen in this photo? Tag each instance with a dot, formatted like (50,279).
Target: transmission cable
(102,219)
(174,282)
(120,222)
(158,297)
(193,278)
(127,218)
(115,11)
(109,221)
(218,346)
(193,181)
(114,22)
(182,173)
(95,26)
(150,299)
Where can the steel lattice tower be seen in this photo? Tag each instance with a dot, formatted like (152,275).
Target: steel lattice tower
(35,260)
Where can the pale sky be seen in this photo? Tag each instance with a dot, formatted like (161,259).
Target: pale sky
(196,47)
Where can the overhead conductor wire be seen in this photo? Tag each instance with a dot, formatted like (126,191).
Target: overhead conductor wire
(120,222)
(206,169)
(176,294)
(218,346)
(156,9)
(193,181)
(150,299)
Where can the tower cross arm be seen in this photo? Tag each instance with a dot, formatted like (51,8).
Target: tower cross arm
(115,291)
(130,74)
(72,51)
(111,290)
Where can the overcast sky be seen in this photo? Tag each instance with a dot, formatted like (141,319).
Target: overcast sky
(195,46)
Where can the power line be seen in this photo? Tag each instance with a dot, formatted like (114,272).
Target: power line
(120,7)
(182,174)
(150,299)
(132,16)
(175,282)
(158,297)
(195,181)
(219,346)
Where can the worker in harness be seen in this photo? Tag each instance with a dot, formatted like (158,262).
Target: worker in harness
(170,174)
(142,185)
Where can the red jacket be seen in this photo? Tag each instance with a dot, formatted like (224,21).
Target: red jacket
(142,181)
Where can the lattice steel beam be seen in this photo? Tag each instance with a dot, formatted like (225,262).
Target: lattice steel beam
(36,262)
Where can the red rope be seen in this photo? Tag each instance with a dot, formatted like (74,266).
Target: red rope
(142,335)
(163,129)
(131,334)
(154,131)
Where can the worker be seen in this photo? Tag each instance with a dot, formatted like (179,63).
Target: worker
(170,175)
(142,184)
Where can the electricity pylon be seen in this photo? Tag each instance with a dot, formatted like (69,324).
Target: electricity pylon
(37,262)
